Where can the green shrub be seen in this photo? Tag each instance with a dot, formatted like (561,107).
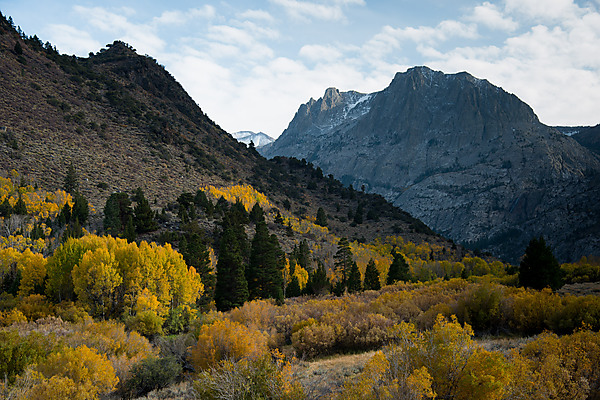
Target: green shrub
(17,352)
(150,374)
(147,323)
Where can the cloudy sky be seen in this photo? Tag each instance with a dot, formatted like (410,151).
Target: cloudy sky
(250,64)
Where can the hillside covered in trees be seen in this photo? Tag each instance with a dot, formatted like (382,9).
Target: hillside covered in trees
(143,250)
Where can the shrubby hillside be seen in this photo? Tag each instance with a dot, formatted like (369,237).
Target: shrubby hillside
(143,252)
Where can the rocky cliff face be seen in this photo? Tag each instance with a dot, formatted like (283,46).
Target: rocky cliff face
(469,159)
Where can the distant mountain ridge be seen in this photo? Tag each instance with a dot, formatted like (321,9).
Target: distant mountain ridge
(589,137)
(259,139)
(469,159)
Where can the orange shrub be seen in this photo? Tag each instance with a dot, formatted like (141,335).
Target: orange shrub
(226,340)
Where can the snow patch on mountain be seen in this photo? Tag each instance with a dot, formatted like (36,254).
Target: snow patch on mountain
(258,138)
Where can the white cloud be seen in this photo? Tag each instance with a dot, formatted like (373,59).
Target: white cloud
(71,40)
(244,40)
(175,17)
(546,11)
(390,40)
(319,53)
(333,11)
(490,16)
(141,36)
(242,76)
(258,15)
(554,67)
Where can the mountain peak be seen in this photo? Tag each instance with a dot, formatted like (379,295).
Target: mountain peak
(468,158)
(119,47)
(331,98)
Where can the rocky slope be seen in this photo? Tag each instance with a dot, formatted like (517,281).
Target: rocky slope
(125,122)
(469,159)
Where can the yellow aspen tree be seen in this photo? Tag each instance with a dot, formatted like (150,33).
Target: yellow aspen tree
(33,273)
(95,279)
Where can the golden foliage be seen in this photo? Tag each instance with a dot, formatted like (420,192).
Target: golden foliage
(244,193)
(226,340)
(91,374)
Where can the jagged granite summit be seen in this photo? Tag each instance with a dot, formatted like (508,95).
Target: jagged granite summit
(469,159)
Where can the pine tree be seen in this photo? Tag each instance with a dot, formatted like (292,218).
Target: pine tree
(238,213)
(343,263)
(117,212)
(65,213)
(321,217)
(257,214)
(293,289)
(129,232)
(5,208)
(358,215)
(202,201)
(81,210)
(301,255)
(266,264)
(354,281)
(71,184)
(195,254)
(399,270)
(317,281)
(372,277)
(231,289)
(143,214)
(539,268)
(20,208)
(18,48)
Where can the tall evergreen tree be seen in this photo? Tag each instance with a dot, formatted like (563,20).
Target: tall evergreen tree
(81,210)
(143,215)
(231,289)
(358,215)
(238,213)
(264,274)
(301,255)
(293,289)
(343,263)
(321,217)
(372,277)
(202,201)
(195,254)
(317,281)
(20,208)
(257,214)
(117,212)
(18,48)
(539,268)
(71,184)
(5,208)
(129,231)
(399,270)
(354,281)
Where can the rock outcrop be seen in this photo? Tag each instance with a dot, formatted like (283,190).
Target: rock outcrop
(469,159)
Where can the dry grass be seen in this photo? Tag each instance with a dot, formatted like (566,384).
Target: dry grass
(581,289)
(180,391)
(324,377)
